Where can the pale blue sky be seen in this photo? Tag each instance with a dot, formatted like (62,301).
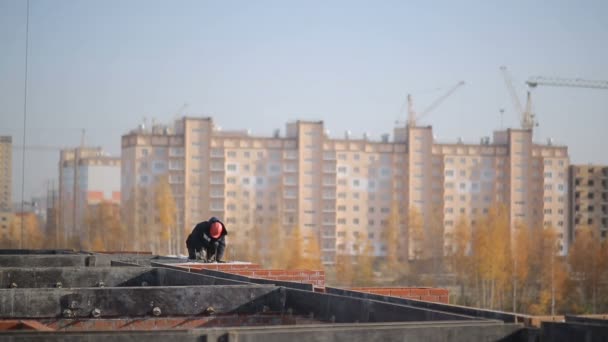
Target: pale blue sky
(104,65)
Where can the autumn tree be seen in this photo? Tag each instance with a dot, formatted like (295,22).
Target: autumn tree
(165,213)
(293,245)
(364,272)
(415,233)
(492,257)
(345,269)
(103,228)
(32,234)
(459,253)
(277,240)
(434,240)
(521,263)
(585,263)
(391,237)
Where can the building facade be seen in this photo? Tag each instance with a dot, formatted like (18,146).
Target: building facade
(343,192)
(589,194)
(6,183)
(87,176)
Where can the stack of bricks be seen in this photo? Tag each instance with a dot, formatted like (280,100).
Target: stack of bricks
(428,294)
(313,277)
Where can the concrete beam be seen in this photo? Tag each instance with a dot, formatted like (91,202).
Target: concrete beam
(565,331)
(448,308)
(343,309)
(226,275)
(138,302)
(51,277)
(416,332)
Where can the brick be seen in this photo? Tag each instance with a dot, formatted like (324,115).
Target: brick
(419,291)
(444,299)
(382,292)
(430,298)
(400,292)
(438,292)
(277,272)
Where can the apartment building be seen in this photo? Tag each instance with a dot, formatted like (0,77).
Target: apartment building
(87,176)
(6,184)
(342,191)
(589,194)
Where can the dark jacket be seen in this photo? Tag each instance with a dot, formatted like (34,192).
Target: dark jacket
(200,236)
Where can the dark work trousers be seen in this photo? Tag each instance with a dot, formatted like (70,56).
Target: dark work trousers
(214,252)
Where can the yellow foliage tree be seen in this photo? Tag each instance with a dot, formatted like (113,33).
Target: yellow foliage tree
(391,239)
(585,262)
(434,240)
(344,269)
(458,252)
(521,263)
(364,273)
(32,235)
(294,246)
(103,227)
(277,244)
(166,211)
(415,233)
(492,257)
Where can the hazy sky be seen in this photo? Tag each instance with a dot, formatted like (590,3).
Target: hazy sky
(105,65)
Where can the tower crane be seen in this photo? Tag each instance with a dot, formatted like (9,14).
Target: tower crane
(412,117)
(535,81)
(526,115)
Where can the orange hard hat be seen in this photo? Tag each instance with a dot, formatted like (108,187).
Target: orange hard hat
(216,230)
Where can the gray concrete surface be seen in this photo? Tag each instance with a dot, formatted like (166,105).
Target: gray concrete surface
(138,302)
(455,309)
(415,332)
(51,277)
(342,309)
(225,275)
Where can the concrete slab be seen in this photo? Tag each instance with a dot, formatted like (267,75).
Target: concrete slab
(448,308)
(138,302)
(417,332)
(53,277)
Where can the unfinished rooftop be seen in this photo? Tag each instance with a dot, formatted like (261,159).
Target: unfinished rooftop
(61,295)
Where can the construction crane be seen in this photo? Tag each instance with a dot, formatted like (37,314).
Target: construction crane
(412,117)
(535,81)
(526,115)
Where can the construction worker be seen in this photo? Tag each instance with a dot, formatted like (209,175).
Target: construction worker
(207,241)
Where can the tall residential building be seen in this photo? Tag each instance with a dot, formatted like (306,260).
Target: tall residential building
(343,191)
(589,198)
(87,177)
(6,184)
